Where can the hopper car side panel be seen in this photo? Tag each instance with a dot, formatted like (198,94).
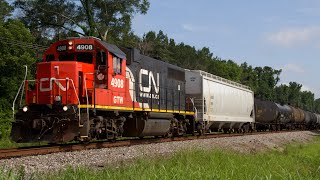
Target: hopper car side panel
(220,103)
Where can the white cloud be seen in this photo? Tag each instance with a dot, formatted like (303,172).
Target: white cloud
(293,68)
(306,88)
(294,36)
(194,28)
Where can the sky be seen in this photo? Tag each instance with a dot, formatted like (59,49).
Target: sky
(282,34)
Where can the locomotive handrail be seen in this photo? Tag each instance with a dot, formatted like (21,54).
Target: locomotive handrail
(75,92)
(87,98)
(52,79)
(74,88)
(22,85)
(195,109)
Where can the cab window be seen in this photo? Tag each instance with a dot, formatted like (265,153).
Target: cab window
(66,57)
(80,57)
(116,65)
(101,59)
(85,57)
(50,57)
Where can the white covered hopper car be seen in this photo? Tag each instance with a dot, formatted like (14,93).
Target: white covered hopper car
(220,104)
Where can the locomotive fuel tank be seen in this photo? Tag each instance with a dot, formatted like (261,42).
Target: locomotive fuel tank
(266,111)
(153,124)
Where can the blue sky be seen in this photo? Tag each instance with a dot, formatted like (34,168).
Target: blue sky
(277,33)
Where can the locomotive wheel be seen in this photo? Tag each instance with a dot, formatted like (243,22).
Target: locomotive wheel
(169,135)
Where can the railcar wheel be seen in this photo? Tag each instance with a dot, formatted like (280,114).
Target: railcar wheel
(169,135)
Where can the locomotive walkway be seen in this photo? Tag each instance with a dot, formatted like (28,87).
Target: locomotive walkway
(41,150)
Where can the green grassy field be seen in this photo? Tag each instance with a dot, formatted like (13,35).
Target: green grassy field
(296,161)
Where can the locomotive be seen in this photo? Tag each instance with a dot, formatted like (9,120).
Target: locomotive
(88,89)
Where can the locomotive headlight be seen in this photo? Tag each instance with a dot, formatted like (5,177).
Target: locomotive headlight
(58,98)
(70,43)
(65,108)
(25,109)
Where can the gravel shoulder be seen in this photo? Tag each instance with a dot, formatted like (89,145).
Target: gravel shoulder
(102,157)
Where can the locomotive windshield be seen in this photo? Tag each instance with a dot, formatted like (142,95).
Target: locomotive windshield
(80,57)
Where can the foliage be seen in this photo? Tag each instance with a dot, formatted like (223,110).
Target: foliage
(107,19)
(317,105)
(292,94)
(249,76)
(13,57)
(5,10)
(267,80)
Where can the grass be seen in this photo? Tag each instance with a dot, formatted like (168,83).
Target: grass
(8,143)
(296,161)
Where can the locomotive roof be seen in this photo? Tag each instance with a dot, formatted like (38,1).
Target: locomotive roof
(113,49)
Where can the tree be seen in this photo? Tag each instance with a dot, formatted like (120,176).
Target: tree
(282,93)
(294,98)
(249,76)
(106,19)
(307,100)
(267,79)
(5,10)
(13,56)
(317,106)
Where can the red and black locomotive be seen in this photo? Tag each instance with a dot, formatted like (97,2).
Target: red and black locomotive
(88,89)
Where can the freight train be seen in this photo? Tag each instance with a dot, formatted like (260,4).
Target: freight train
(87,89)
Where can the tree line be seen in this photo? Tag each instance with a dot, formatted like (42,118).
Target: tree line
(45,21)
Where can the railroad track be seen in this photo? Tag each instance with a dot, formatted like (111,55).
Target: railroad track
(41,150)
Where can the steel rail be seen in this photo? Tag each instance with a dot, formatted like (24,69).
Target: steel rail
(42,150)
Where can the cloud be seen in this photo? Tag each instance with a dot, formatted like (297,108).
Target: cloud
(194,28)
(306,88)
(293,68)
(294,36)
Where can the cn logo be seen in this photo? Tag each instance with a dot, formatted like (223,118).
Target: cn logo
(147,89)
(46,89)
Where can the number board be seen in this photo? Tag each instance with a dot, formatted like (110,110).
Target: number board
(86,47)
(61,48)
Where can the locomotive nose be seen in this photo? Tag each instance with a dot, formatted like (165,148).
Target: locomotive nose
(57,82)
